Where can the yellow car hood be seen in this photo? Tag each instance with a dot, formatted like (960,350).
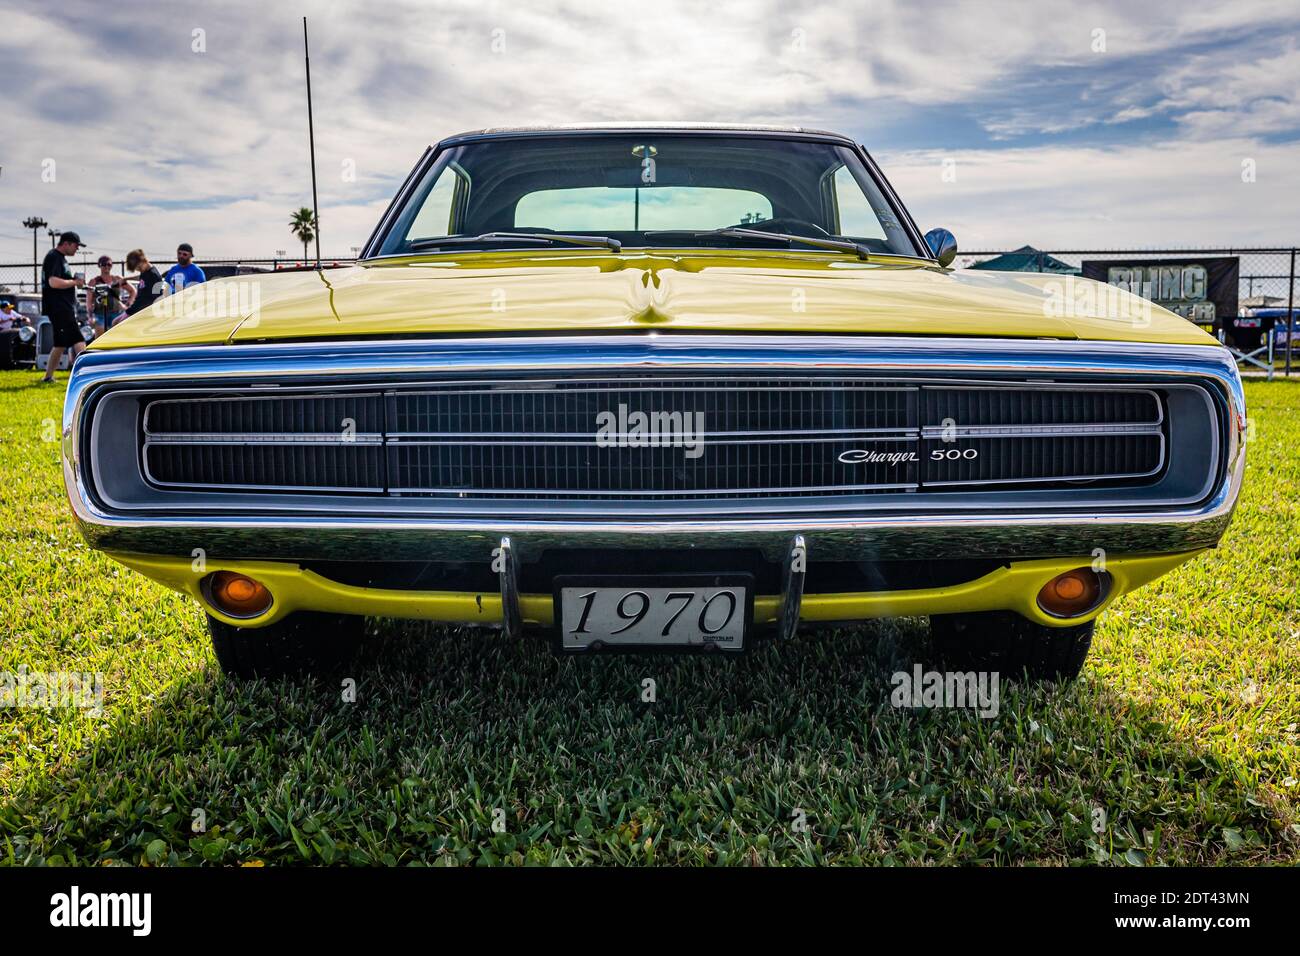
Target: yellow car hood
(596,291)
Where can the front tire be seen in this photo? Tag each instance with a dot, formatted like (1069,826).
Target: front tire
(1007,643)
(300,643)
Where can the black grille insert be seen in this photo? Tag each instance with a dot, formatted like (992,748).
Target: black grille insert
(657,439)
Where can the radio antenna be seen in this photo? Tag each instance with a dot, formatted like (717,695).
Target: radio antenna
(311,139)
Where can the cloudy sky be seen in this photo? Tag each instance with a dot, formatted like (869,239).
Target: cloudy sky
(1065,125)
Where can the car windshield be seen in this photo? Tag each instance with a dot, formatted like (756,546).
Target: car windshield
(644,190)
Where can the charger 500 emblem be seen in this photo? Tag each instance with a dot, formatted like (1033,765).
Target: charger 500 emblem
(862,456)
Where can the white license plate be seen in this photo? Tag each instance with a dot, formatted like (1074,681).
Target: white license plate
(689,615)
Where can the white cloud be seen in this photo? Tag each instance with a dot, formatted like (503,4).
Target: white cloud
(1166,195)
(156,143)
(1217,96)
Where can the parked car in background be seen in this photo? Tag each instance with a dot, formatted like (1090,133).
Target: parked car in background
(32,344)
(28,303)
(654,388)
(17,335)
(45,340)
(1276,320)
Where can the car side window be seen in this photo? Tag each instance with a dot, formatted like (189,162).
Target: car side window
(853,210)
(434,217)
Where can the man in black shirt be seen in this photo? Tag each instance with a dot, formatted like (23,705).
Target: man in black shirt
(59,301)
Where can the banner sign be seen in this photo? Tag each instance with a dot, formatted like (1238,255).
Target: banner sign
(1201,290)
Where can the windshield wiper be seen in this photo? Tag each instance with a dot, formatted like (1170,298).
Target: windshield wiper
(844,245)
(605,241)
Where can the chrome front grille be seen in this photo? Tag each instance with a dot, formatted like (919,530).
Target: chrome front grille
(761,437)
(746,408)
(563,469)
(291,417)
(268,465)
(1012,406)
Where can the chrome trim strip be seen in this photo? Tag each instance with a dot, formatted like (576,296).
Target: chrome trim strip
(833,534)
(934,432)
(793,572)
(588,443)
(512,618)
(261,438)
(877,434)
(717,492)
(650,385)
(1050,385)
(752,354)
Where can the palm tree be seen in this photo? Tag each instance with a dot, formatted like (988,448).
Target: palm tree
(303,225)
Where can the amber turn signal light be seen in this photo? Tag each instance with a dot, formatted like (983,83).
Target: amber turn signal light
(237,595)
(1072,593)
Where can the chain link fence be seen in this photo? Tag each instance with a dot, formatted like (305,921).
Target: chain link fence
(1267,291)
(23,277)
(1267,282)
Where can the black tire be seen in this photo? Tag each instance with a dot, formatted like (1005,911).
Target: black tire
(1011,645)
(8,350)
(301,643)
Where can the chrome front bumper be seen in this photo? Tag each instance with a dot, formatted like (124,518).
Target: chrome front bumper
(830,535)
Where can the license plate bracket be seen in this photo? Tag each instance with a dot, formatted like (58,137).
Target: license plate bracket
(693,608)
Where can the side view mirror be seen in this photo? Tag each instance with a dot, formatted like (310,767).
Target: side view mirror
(943,244)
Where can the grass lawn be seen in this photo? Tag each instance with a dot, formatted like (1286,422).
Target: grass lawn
(1182,732)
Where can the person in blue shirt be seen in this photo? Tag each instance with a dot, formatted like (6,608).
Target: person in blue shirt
(185,272)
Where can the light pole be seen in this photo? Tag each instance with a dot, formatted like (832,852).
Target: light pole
(35,224)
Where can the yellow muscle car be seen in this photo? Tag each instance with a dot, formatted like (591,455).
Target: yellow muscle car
(653,387)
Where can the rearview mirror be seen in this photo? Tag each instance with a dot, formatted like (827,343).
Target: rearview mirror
(943,245)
